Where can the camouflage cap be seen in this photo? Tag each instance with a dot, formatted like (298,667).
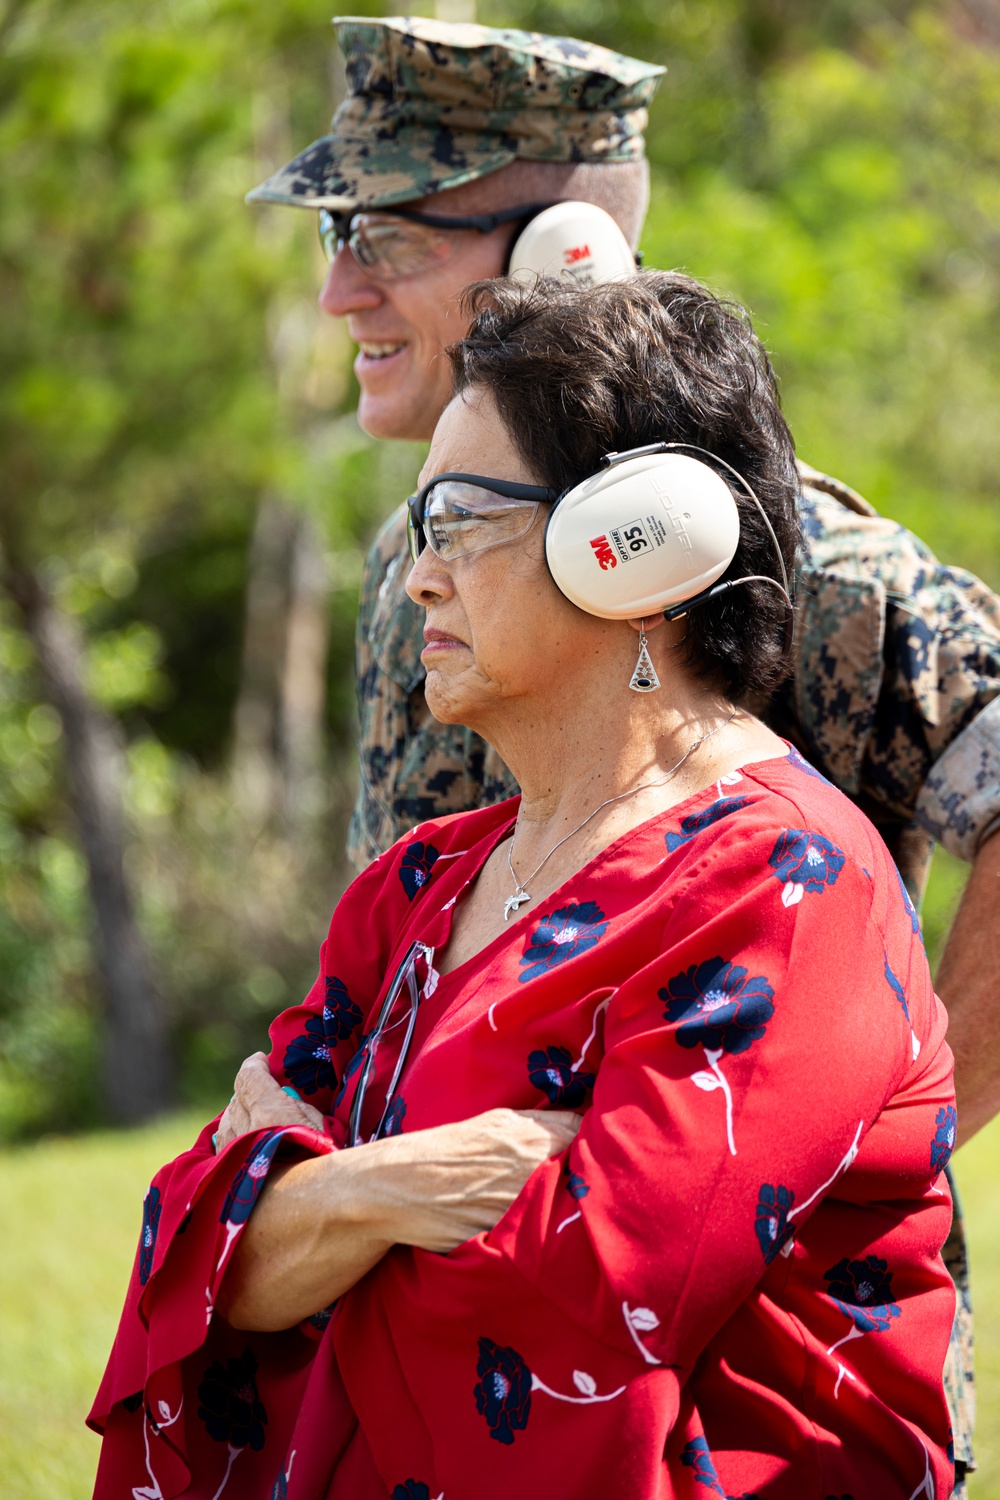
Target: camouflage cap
(433,104)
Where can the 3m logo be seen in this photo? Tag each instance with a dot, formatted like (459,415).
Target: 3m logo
(603,552)
(576,253)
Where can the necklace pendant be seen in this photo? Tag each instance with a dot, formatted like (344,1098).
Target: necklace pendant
(513,902)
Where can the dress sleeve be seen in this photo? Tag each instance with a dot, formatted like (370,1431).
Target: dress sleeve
(745,1071)
(174,1358)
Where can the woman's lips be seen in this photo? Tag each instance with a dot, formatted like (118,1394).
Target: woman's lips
(440,640)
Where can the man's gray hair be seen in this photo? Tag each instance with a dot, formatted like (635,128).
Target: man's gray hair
(620,188)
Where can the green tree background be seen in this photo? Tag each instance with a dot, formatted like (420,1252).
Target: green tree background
(185,500)
(186,489)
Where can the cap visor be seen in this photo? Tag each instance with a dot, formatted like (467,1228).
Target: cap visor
(340,173)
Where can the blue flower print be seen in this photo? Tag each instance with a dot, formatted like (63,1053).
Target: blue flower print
(503,1390)
(340,1014)
(696,1455)
(911,910)
(231,1408)
(307,1063)
(133,1402)
(411,1489)
(416,866)
(147,1239)
(771,1220)
(804,862)
(279,1490)
(719,1007)
(561,936)
(696,823)
(943,1143)
(801,764)
(395,1116)
(862,1289)
(551,1072)
(897,989)
(575,1185)
(249,1180)
(351,1069)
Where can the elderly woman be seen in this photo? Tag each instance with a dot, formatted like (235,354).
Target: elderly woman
(609,1157)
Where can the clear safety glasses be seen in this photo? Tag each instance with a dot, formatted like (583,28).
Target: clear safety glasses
(458,514)
(399,1008)
(402,243)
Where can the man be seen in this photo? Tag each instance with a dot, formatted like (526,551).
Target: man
(895,694)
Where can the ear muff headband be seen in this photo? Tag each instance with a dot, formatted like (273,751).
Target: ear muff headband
(653,531)
(573,241)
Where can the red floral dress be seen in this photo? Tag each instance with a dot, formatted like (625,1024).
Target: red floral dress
(729,1284)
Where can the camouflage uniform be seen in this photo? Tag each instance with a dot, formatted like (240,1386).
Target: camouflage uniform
(895,696)
(895,693)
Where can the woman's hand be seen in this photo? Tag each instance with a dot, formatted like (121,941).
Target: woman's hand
(259,1103)
(437,1188)
(321,1224)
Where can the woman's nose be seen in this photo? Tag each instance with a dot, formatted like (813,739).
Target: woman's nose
(347,288)
(428,581)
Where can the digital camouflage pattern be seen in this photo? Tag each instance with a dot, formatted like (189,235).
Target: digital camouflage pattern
(895,696)
(896,680)
(433,104)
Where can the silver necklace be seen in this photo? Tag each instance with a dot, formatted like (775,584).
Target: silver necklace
(521,892)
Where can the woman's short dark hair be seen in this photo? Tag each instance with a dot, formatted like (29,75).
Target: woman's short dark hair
(580,372)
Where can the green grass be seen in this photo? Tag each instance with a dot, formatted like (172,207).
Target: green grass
(71,1211)
(70,1216)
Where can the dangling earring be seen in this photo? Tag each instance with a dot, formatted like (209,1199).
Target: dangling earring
(644,678)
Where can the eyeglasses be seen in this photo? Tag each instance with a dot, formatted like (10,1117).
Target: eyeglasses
(458,514)
(405,988)
(404,242)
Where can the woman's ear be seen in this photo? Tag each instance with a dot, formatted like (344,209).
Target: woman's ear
(647,623)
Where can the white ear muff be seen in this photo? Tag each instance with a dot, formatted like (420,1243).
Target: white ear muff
(574,241)
(645,533)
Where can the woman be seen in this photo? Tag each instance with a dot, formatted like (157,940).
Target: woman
(604,1159)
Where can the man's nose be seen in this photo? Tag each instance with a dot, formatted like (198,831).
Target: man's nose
(347,288)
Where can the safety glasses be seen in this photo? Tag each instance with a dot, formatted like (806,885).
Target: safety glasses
(404,242)
(399,1008)
(459,514)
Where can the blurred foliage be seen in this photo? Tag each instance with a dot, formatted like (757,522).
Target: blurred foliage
(163,369)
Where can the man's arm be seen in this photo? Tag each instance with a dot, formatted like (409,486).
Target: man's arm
(968,981)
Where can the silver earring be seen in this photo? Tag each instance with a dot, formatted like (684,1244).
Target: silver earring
(644,678)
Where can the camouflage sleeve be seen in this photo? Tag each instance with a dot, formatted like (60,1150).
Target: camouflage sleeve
(960,800)
(897,683)
(410,767)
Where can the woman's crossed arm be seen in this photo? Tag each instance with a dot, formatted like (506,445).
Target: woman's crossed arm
(321,1224)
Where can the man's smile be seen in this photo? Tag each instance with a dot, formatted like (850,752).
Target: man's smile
(370,350)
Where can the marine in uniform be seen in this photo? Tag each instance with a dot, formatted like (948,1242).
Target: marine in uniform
(895,689)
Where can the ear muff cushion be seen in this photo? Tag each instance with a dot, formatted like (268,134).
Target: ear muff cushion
(575,241)
(642,535)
